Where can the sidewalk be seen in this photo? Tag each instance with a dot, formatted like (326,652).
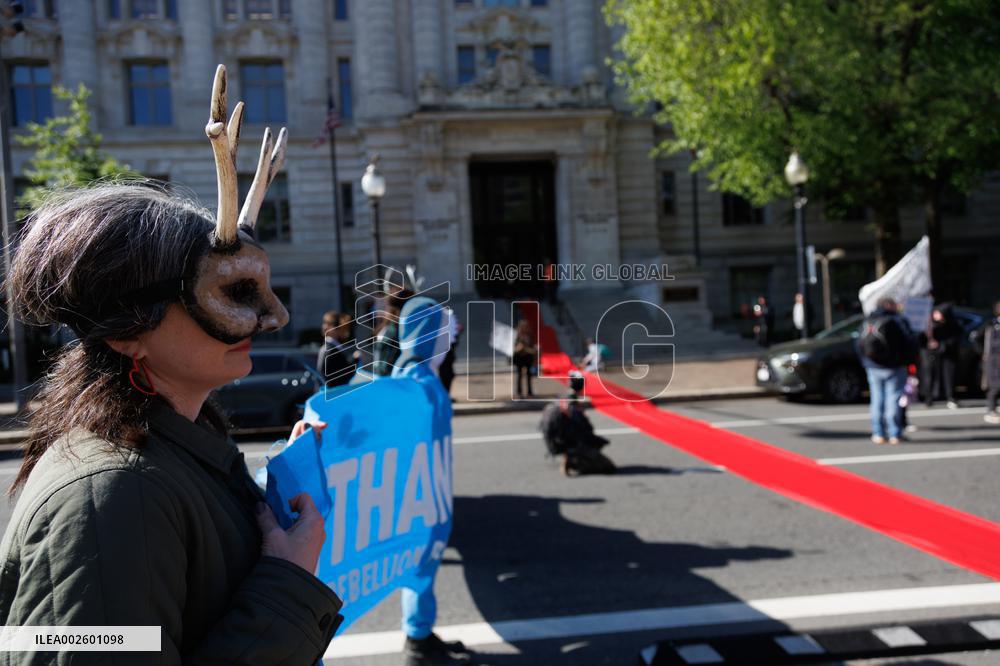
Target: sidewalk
(688,380)
(492,394)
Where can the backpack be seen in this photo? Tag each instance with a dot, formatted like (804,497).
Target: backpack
(884,342)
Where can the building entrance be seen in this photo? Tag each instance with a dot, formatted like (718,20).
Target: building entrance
(513,224)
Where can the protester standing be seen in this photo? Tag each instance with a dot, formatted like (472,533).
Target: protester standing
(135,507)
(385,350)
(420,330)
(525,355)
(446,372)
(335,362)
(939,356)
(886,347)
(991,365)
(763,328)
(799,313)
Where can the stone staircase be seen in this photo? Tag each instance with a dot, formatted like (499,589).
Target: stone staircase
(626,321)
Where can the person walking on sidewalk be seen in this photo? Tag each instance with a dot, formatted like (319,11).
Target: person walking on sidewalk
(886,347)
(939,356)
(991,365)
(135,506)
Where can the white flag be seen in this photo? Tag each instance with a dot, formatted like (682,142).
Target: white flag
(503,338)
(910,277)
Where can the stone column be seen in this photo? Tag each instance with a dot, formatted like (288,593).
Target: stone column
(307,103)
(79,57)
(197,65)
(427,39)
(581,37)
(378,60)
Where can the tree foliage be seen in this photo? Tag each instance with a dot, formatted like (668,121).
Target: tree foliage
(886,100)
(66,151)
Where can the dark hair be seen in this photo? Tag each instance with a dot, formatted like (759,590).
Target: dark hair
(80,256)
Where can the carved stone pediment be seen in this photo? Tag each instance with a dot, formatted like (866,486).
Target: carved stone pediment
(39,41)
(510,83)
(257,39)
(137,38)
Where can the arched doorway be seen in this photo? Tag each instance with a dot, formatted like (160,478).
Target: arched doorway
(513,223)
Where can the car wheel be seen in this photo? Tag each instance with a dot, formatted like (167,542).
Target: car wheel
(843,385)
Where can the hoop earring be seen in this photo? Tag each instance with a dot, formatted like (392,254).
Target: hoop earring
(139,368)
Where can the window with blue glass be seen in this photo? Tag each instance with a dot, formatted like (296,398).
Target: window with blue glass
(340,10)
(144,9)
(274,222)
(466,64)
(541,58)
(344,90)
(31,93)
(149,93)
(491,55)
(539,3)
(39,8)
(263,91)
(501,3)
(114,9)
(268,9)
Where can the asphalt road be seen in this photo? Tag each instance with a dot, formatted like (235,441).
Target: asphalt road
(605,554)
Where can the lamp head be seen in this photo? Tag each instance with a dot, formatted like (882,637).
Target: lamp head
(796,171)
(373,182)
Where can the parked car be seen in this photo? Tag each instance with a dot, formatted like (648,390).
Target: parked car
(827,364)
(272,395)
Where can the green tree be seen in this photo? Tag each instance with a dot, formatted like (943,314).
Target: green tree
(887,100)
(67,151)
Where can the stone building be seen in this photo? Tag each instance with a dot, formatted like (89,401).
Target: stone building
(501,133)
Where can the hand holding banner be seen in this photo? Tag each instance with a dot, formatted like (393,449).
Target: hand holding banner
(381,476)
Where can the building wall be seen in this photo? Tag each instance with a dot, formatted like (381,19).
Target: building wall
(410,108)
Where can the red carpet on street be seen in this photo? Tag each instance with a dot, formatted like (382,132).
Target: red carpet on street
(954,536)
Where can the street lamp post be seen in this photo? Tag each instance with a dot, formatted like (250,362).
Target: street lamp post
(824,260)
(373,185)
(797,174)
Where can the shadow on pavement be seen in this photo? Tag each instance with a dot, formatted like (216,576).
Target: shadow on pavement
(523,559)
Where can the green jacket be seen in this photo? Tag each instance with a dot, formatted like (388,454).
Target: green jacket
(165,535)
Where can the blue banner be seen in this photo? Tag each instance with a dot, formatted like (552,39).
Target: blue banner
(380,473)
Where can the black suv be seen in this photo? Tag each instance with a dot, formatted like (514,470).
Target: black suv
(827,364)
(272,395)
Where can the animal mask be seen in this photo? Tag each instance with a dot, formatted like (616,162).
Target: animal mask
(227,285)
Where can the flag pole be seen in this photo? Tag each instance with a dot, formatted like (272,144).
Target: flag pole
(331,128)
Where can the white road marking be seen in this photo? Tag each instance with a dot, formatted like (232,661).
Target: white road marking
(780,609)
(832,418)
(902,457)
(896,637)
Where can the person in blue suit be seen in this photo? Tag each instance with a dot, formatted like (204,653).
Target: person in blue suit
(424,340)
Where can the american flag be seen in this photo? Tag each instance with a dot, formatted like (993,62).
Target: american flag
(331,123)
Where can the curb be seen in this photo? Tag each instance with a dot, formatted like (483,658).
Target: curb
(12,440)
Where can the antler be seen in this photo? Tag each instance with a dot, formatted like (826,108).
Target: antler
(270,162)
(225,139)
